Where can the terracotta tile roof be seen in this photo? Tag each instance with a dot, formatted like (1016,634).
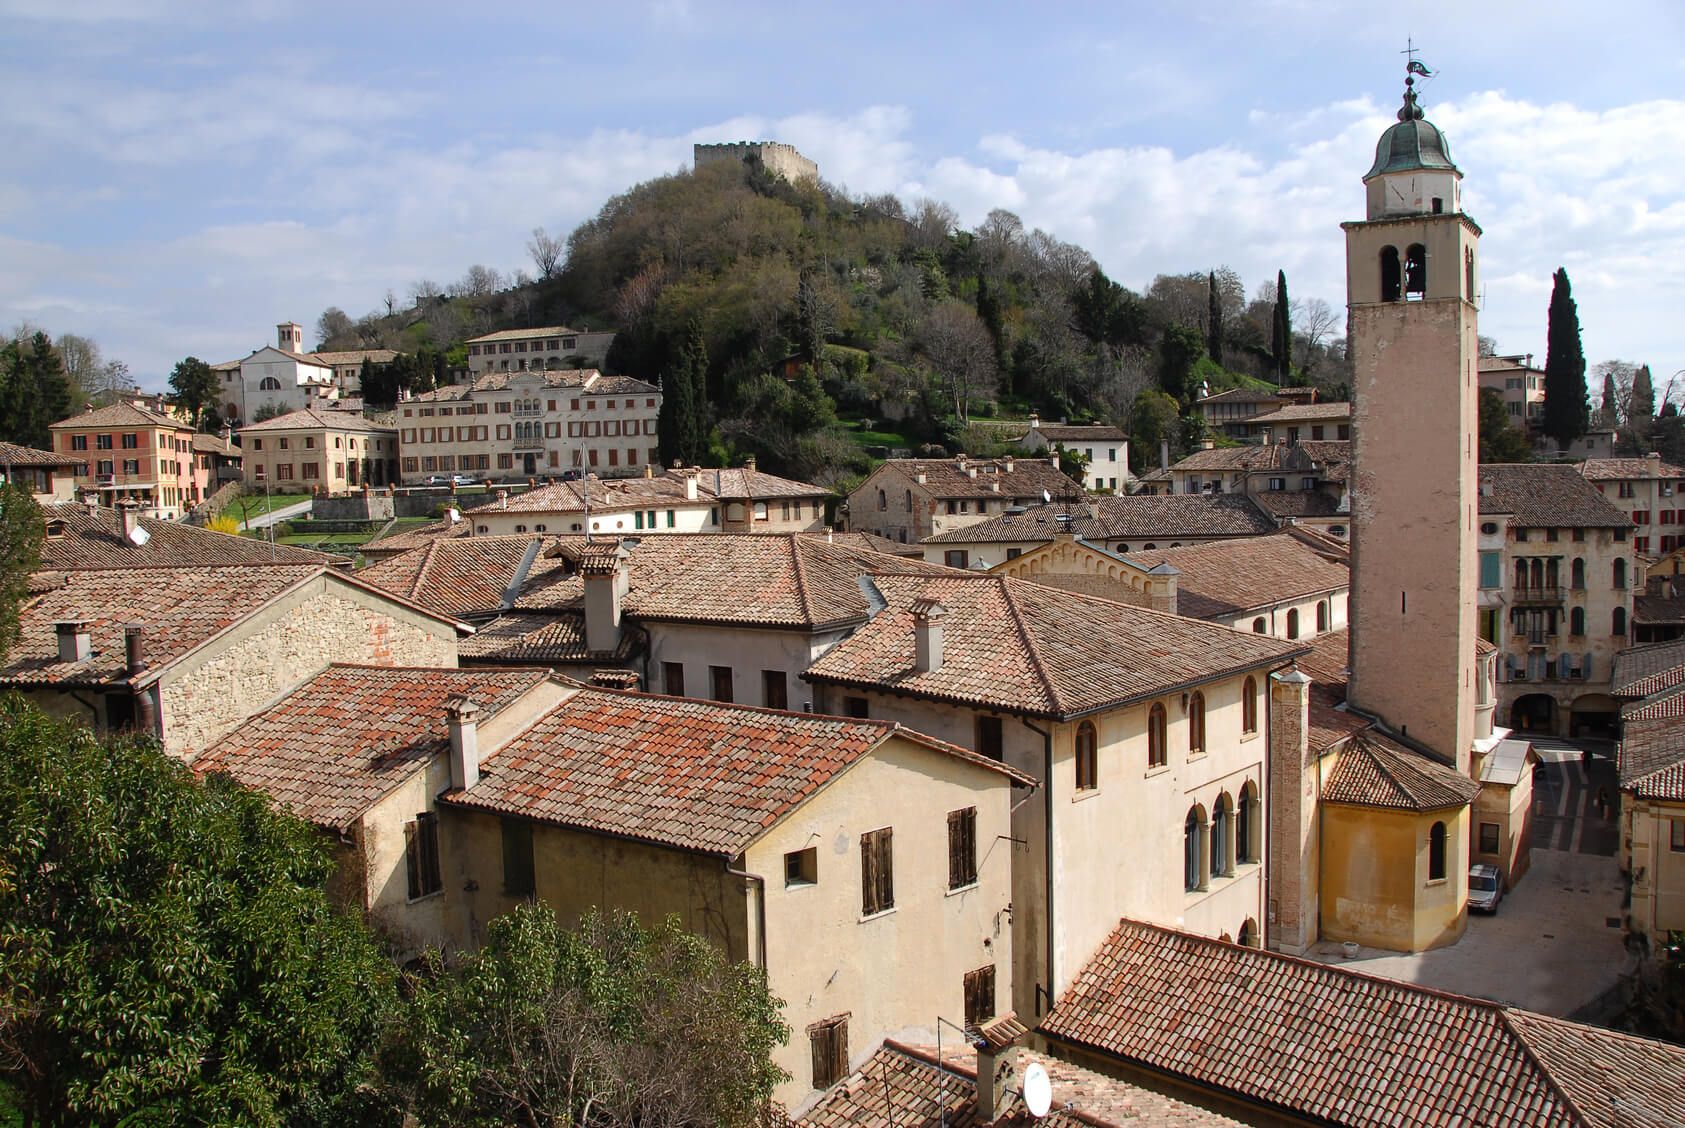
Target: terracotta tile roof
(870,542)
(332,747)
(1335,1046)
(120,414)
(1651,757)
(355,356)
(1297,503)
(1305,412)
(696,775)
(531,638)
(548,377)
(1136,517)
(215,444)
(1298,458)
(311,418)
(1616,469)
(419,537)
(1016,645)
(1080,433)
(944,478)
(1661,603)
(1663,703)
(1546,495)
(1231,577)
(459,576)
(1326,666)
(527,334)
(1374,771)
(606,495)
(910,1085)
(439,395)
(83,540)
(11,454)
(621,386)
(1640,671)
(180,608)
(743,483)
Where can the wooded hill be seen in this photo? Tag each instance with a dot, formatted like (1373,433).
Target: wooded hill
(920,329)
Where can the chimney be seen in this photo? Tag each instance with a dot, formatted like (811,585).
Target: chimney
(76,641)
(959,461)
(1208,444)
(1006,464)
(750,463)
(924,479)
(1654,464)
(128,516)
(134,649)
(1035,421)
(604,574)
(927,635)
(649,469)
(462,723)
(1164,454)
(995,1064)
(690,485)
(830,537)
(91,500)
(503,499)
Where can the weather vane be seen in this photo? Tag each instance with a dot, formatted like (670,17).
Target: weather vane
(1413,66)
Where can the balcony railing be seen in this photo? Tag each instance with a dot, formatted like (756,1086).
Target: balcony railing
(1548,593)
(532,443)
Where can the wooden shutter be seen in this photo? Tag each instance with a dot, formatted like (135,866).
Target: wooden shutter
(412,859)
(877,876)
(962,847)
(868,875)
(979,995)
(828,1040)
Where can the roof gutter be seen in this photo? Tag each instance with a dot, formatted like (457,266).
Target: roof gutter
(759,883)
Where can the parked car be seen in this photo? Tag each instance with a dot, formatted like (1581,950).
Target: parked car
(1486,888)
(463,480)
(449,480)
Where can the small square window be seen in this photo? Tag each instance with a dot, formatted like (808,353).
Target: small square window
(801,867)
(1488,838)
(1676,837)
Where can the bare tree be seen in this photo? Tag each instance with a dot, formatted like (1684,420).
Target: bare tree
(424,290)
(1181,299)
(334,325)
(637,296)
(1313,320)
(958,346)
(480,281)
(546,252)
(933,223)
(391,301)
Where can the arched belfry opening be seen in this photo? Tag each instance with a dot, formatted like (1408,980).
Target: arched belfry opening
(1391,277)
(1415,273)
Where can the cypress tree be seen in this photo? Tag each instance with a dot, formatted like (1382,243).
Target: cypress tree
(1567,413)
(1281,331)
(1214,320)
(1643,396)
(699,430)
(1610,418)
(673,421)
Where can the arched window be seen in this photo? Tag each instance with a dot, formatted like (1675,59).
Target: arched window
(1293,623)
(1247,824)
(1620,573)
(1391,277)
(1156,754)
(1322,616)
(1521,575)
(909,501)
(1577,621)
(1617,625)
(1149,546)
(1196,724)
(1436,852)
(1415,272)
(1578,574)
(1468,273)
(269,384)
(883,501)
(1248,937)
(1087,759)
(1222,837)
(1193,851)
(1259,626)
(1249,705)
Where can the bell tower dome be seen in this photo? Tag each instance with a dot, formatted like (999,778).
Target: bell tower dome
(1410,284)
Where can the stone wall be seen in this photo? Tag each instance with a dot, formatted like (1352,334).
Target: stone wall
(371,506)
(284,644)
(774,155)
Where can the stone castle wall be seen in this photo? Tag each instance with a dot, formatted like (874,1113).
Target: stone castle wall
(777,157)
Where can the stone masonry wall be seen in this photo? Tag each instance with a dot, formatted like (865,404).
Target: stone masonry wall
(293,641)
(775,156)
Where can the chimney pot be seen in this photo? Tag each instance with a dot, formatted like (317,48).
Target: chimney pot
(134,648)
(462,726)
(76,641)
(927,635)
(127,517)
(750,463)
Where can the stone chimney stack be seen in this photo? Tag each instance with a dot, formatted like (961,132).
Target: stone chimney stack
(1164,454)
(1292,803)
(463,726)
(1161,588)
(927,635)
(604,574)
(750,463)
(91,500)
(690,483)
(76,641)
(128,517)
(1035,421)
(997,1066)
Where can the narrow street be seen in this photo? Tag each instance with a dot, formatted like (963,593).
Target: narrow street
(1555,943)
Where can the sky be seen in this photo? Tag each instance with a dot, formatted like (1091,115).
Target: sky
(177,177)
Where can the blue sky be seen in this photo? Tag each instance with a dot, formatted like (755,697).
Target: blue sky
(178,177)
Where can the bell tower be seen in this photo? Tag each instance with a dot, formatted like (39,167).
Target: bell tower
(1410,282)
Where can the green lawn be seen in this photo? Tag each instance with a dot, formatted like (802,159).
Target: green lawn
(257,505)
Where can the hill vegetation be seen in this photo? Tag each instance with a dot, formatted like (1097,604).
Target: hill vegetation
(827,328)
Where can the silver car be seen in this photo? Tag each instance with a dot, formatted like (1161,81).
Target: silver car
(1486,888)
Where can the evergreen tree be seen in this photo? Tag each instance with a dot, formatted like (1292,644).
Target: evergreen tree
(36,392)
(1643,397)
(1610,416)
(1178,351)
(1500,440)
(1567,413)
(699,432)
(56,399)
(674,421)
(1281,331)
(1214,321)
(22,530)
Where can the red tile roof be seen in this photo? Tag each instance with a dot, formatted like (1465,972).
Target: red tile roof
(696,775)
(1373,771)
(82,540)
(978,477)
(1546,495)
(1640,671)
(531,638)
(11,454)
(457,576)
(1321,1042)
(743,483)
(310,419)
(1652,750)
(902,1084)
(120,414)
(335,745)
(1140,517)
(1231,577)
(1017,645)
(1617,469)
(1305,413)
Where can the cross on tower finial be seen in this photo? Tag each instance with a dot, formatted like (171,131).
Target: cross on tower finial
(1410,50)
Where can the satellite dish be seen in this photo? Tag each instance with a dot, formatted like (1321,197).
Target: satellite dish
(139,536)
(454,516)
(1038,1090)
(1046,498)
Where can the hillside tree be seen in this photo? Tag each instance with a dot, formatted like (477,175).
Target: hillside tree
(546,251)
(1567,411)
(22,530)
(1178,351)
(333,327)
(1281,331)
(35,392)
(957,345)
(1214,321)
(170,954)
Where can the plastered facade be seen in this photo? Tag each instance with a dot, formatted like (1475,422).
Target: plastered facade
(748,652)
(1367,897)
(1655,868)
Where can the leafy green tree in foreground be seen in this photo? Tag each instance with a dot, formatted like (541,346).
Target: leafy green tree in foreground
(167,952)
(613,1024)
(195,389)
(22,530)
